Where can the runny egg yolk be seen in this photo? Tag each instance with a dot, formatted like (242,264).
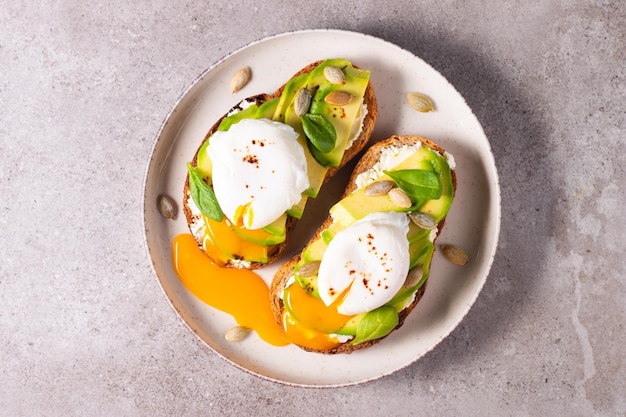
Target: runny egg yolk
(245,296)
(242,212)
(240,293)
(222,242)
(308,322)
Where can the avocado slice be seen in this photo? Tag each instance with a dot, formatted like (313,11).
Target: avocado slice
(278,227)
(422,258)
(272,234)
(284,113)
(358,205)
(308,283)
(204,165)
(349,329)
(341,117)
(438,208)
(298,209)
(264,111)
(287,96)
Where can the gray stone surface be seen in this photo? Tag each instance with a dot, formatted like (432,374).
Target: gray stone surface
(84,327)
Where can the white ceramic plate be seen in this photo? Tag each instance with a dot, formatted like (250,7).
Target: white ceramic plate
(473,222)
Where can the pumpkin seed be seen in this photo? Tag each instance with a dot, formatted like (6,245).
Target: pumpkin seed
(167,207)
(400,198)
(237,333)
(379,188)
(240,79)
(454,254)
(423,220)
(302,102)
(338,98)
(309,269)
(414,276)
(334,75)
(420,102)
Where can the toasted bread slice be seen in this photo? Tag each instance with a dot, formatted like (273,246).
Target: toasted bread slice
(285,273)
(194,219)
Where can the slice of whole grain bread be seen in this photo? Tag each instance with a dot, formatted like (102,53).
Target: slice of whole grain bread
(285,272)
(195,222)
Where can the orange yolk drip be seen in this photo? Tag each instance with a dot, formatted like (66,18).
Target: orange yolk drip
(308,322)
(240,293)
(242,212)
(312,312)
(304,336)
(220,238)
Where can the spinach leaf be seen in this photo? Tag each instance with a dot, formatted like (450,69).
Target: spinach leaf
(376,324)
(320,132)
(203,195)
(417,183)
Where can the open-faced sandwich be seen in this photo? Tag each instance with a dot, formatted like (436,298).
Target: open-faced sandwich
(249,181)
(366,267)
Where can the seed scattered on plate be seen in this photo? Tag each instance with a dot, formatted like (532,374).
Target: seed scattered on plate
(414,276)
(167,207)
(420,102)
(240,79)
(237,333)
(423,220)
(379,188)
(400,198)
(309,269)
(454,254)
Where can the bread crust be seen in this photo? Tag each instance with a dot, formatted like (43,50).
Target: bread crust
(285,272)
(275,252)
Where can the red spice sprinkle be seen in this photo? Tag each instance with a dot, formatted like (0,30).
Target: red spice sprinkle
(251,159)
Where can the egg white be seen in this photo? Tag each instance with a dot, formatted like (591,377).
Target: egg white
(370,259)
(259,171)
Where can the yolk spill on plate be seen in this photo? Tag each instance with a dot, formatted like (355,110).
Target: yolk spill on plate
(240,293)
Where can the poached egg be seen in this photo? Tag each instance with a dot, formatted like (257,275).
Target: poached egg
(259,171)
(365,263)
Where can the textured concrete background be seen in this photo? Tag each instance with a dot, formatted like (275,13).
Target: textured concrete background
(84,327)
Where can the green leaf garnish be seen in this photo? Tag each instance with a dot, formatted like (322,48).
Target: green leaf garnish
(376,324)
(203,195)
(417,183)
(320,132)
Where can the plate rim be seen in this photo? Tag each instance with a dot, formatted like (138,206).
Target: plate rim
(495,192)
